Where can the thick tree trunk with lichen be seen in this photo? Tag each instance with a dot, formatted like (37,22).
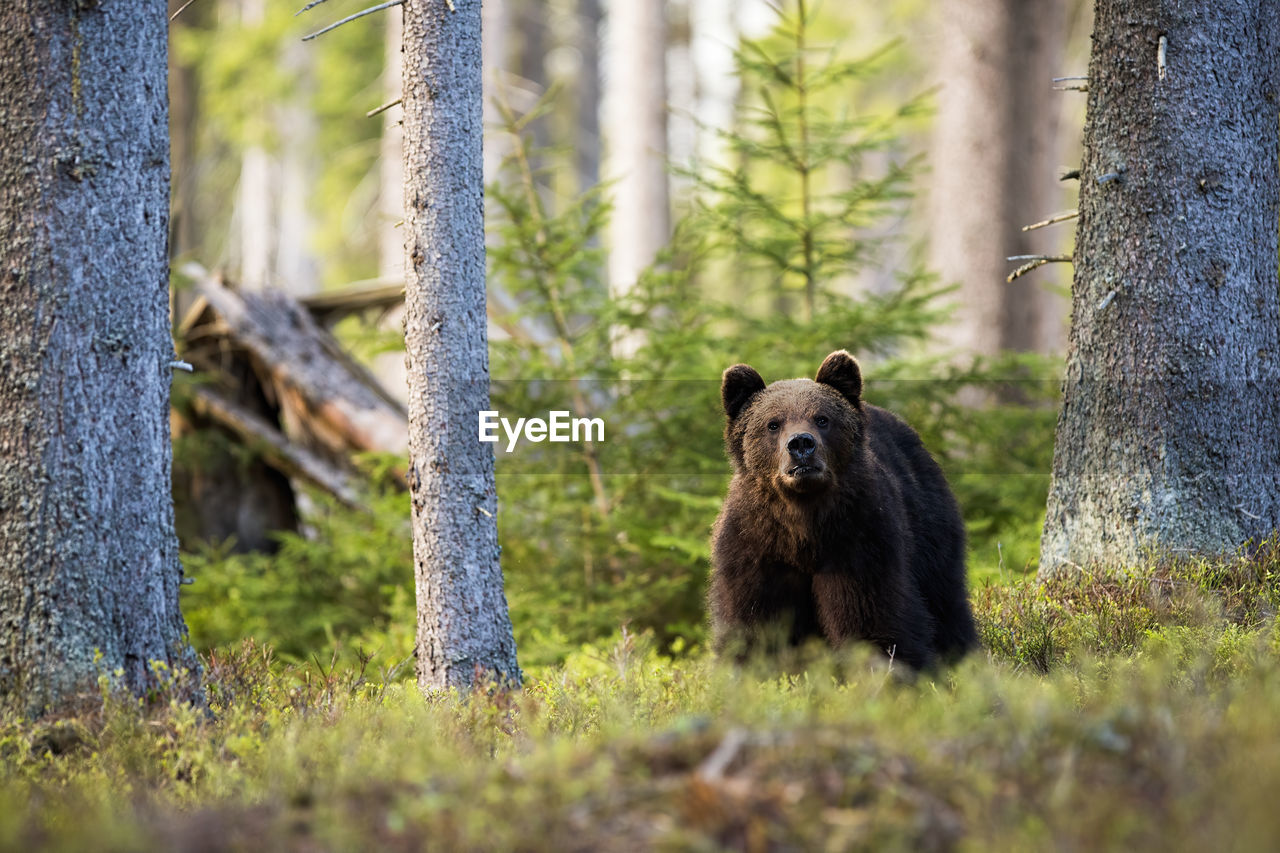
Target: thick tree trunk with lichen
(88,557)
(1169,435)
(464,631)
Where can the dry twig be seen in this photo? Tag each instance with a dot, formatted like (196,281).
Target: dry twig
(1052,220)
(1035,262)
(351,18)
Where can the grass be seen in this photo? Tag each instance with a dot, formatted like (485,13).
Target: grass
(1107,713)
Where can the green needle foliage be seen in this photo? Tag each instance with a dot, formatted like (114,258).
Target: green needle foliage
(804,181)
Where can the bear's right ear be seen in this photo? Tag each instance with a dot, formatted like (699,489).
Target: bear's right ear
(840,370)
(740,384)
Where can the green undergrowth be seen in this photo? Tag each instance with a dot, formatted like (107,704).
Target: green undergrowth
(1104,714)
(1041,624)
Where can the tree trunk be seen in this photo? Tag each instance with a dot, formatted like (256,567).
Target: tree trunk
(715,34)
(297,270)
(497,24)
(88,558)
(995,160)
(636,137)
(184,125)
(1167,438)
(255,192)
(391,158)
(389,367)
(587,95)
(464,631)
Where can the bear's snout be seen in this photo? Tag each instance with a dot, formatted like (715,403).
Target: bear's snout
(801,466)
(801,447)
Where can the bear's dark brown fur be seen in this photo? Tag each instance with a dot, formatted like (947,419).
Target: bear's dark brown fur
(838,523)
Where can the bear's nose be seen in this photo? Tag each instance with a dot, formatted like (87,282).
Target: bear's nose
(801,446)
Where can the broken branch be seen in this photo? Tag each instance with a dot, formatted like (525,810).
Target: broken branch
(382,109)
(1052,220)
(1036,262)
(291,458)
(351,18)
(183,8)
(311,5)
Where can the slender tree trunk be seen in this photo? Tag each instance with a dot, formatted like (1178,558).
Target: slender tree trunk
(391,156)
(88,558)
(463,627)
(636,137)
(497,24)
(714,34)
(995,160)
(183,126)
(253,209)
(297,270)
(531,40)
(389,367)
(587,148)
(1167,437)
(253,204)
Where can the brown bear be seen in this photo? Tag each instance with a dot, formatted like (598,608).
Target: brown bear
(838,524)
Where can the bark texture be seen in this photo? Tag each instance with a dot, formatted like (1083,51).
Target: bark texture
(88,557)
(995,163)
(1168,436)
(463,626)
(635,135)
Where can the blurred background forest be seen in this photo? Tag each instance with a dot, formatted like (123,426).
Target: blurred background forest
(672,188)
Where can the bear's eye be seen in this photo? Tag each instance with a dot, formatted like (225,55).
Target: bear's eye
(774,426)
(821,420)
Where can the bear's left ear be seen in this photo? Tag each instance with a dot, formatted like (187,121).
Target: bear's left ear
(740,384)
(840,370)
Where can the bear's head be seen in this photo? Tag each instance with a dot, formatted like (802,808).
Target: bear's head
(797,435)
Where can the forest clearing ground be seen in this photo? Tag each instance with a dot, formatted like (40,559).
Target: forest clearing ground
(1105,713)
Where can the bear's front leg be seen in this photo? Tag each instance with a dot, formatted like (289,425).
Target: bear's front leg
(880,611)
(757,604)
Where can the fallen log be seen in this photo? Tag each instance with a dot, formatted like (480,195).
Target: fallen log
(278,451)
(271,378)
(326,397)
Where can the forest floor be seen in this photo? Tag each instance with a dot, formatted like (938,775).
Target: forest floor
(1102,714)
